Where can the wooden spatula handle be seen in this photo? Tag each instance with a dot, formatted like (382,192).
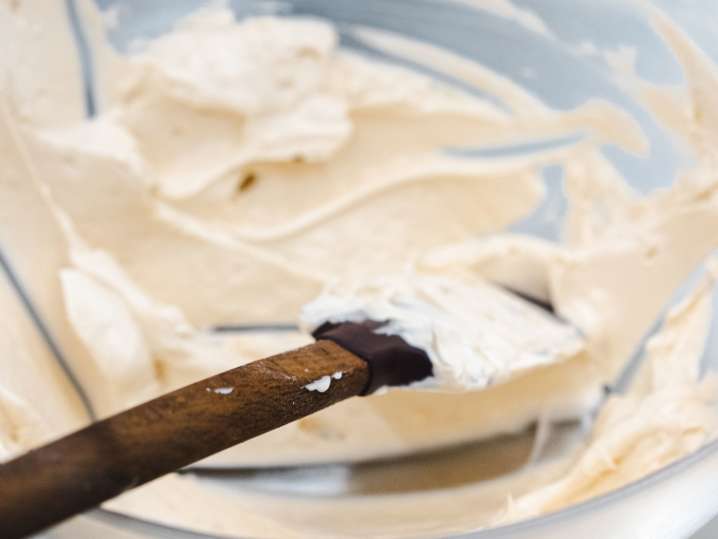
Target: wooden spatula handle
(99,462)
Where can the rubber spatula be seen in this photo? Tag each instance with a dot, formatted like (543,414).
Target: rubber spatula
(83,469)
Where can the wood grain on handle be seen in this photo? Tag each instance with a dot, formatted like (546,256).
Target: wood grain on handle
(99,462)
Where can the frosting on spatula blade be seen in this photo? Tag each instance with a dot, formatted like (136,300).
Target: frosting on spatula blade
(475,334)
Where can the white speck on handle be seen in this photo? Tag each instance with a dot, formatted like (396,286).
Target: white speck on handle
(224,390)
(323,383)
(320,384)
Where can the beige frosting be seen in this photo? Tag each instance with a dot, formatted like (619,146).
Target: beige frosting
(36,402)
(32,87)
(236,228)
(666,414)
(238,169)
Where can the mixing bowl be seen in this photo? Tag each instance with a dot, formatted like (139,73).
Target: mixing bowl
(564,51)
